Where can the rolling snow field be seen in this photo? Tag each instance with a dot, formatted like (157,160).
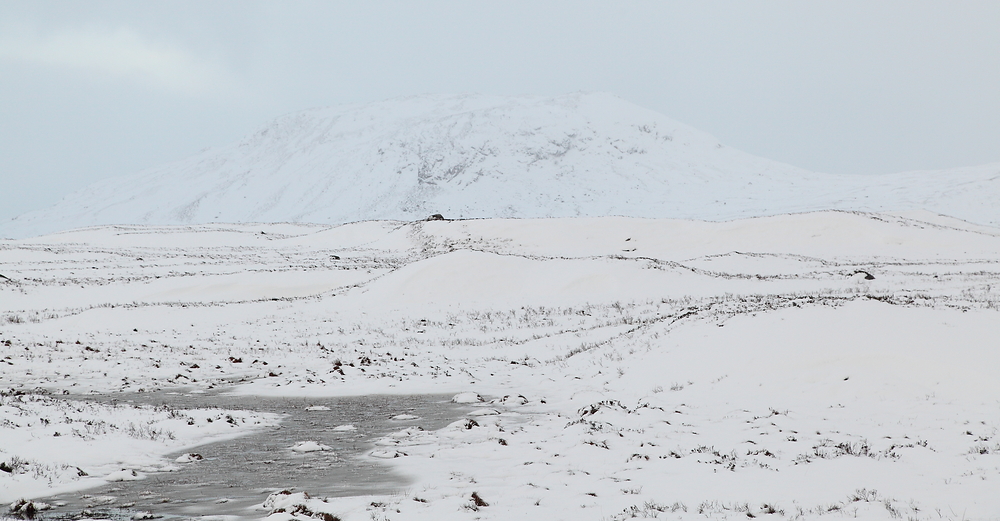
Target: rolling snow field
(819,365)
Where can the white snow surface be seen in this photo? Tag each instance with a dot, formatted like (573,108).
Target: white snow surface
(631,368)
(309,446)
(476,156)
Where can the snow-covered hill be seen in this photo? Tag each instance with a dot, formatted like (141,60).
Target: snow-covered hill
(486,156)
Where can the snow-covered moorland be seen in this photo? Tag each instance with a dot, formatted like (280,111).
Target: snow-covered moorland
(817,365)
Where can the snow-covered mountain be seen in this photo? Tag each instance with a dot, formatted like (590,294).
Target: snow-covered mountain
(487,156)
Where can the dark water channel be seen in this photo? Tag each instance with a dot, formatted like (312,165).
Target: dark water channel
(236,475)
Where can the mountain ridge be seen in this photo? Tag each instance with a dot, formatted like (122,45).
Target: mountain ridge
(475,156)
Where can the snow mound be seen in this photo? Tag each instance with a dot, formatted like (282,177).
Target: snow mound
(288,506)
(309,446)
(407,432)
(468,397)
(125,475)
(484,412)
(511,400)
(387,453)
(189,458)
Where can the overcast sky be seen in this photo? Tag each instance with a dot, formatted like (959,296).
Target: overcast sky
(90,90)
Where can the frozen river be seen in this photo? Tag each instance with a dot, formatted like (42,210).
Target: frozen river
(235,476)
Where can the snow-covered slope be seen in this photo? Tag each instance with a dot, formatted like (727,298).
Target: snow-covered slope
(486,156)
(813,366)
